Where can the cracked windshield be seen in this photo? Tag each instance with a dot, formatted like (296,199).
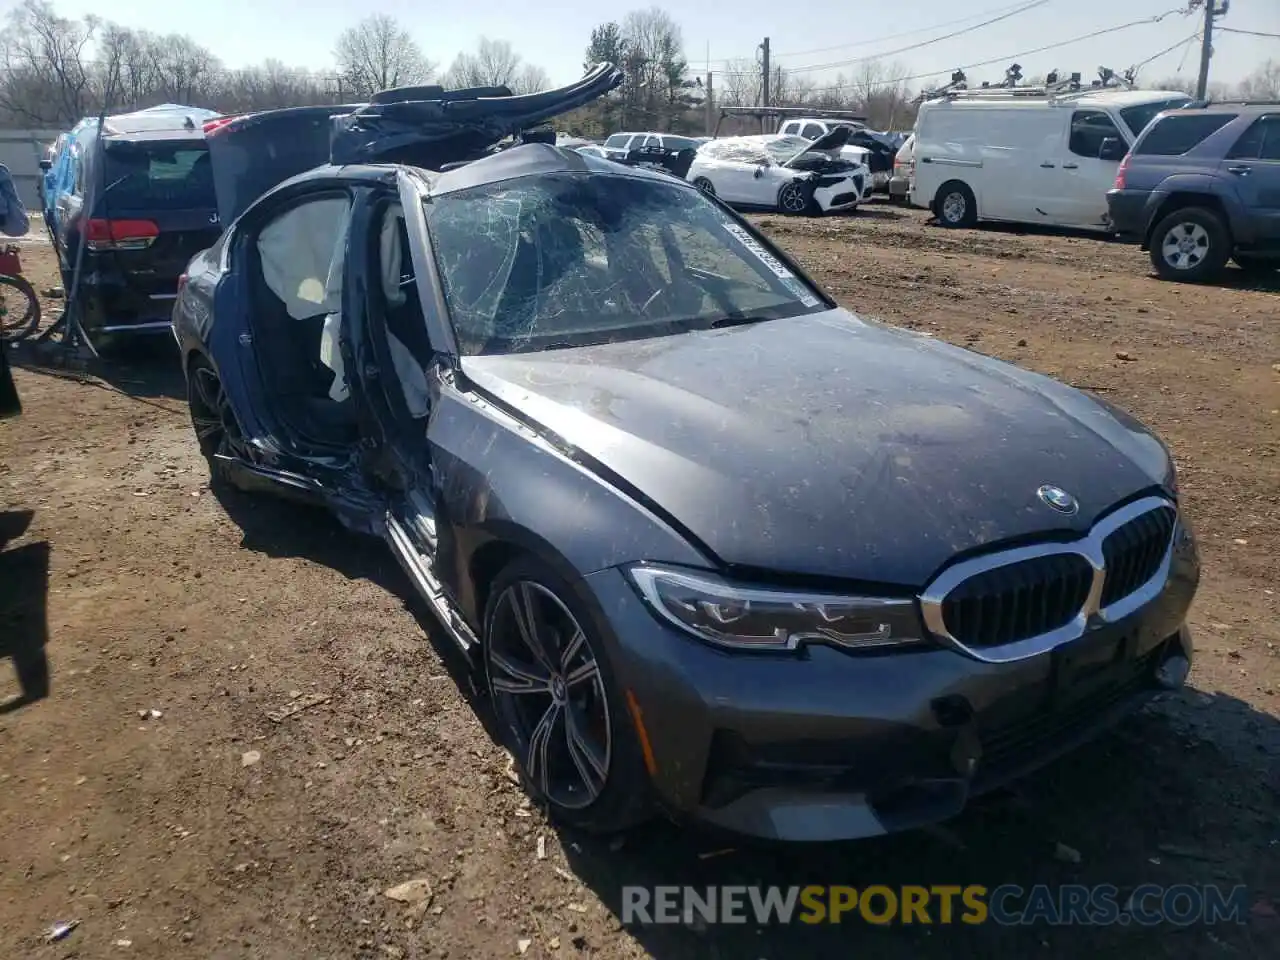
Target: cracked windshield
(556,261)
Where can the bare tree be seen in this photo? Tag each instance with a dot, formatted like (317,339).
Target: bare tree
(43,55)
(377,54)
(126,72)
(54,71)
(656,94)
(879,93)
(740,83)
(531,79)
(1263,83)
(494,63)
(1181,83)
(182,67)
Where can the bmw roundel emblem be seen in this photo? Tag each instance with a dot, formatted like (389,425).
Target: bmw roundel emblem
(1058,499)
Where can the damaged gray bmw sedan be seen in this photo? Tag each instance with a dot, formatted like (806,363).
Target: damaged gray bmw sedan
(715,546)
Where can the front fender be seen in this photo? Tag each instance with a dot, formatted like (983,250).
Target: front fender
(497,479)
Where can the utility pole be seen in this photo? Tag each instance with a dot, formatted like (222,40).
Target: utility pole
(709,93)
(764,83)
(1212,11)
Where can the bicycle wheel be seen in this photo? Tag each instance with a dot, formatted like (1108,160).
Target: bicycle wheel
(19,309)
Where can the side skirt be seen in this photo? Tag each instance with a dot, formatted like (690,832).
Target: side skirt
(359,514)
(421,570)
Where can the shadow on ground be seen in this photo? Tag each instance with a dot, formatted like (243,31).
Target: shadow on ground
(1183,793)
(1153,802)
(881,211)
(281,528)
(24,622)
(146,368)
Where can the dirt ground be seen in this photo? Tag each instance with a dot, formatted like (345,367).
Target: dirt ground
(151,796)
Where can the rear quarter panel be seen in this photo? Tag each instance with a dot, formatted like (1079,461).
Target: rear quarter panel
(1169,187)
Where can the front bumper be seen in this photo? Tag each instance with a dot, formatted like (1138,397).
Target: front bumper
(841,192)
(1127,211)
(828,745)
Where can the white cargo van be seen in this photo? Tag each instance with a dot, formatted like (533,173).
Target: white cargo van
(1027,155)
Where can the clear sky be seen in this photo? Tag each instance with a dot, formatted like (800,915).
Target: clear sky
(803,33)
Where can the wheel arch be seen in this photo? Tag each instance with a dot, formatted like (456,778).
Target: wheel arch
(949,183)
(1181,200)
(503,548)
(190,354)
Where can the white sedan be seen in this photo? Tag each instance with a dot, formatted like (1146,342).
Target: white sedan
(785,173)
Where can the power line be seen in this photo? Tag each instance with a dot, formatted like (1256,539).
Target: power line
(1024,53)
(1249,33)
(1186,44)
(923,43)
(1006,12)
(1017,8)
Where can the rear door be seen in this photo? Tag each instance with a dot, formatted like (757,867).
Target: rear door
(1252,169)
(739,174)
(154,211)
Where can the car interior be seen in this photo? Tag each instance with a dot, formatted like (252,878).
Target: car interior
(401,310)
(296,288)
(298,279)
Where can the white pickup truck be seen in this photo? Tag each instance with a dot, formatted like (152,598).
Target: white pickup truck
(811,128)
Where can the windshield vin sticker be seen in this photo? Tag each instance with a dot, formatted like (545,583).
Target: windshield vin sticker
(763,255)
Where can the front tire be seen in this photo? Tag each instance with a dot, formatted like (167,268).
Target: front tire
(706,186)
(795,199)
(558,704)
(1190,245)
(955,205)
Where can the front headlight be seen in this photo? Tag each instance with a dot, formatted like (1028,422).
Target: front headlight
(746,618)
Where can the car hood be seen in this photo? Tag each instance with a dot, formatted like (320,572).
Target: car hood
(828,143)
(827,446)
(423,126)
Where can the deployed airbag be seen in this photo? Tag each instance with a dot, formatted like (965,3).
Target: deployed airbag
(297,251)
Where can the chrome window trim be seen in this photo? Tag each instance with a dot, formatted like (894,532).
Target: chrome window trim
(1092,614)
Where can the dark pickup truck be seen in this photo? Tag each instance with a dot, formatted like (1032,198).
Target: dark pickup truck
(1201,186)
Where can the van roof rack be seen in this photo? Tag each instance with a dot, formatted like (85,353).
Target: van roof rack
(1201,104)
(1055,87)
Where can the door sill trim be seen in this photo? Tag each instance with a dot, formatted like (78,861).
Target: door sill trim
(424,579)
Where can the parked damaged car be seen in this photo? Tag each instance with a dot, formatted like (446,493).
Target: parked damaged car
(713,545)
(138,195)
(785,173)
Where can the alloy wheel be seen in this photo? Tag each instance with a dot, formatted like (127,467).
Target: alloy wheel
(215,424)
(1185,246)
(547,688)
(954,207)
(792,199)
